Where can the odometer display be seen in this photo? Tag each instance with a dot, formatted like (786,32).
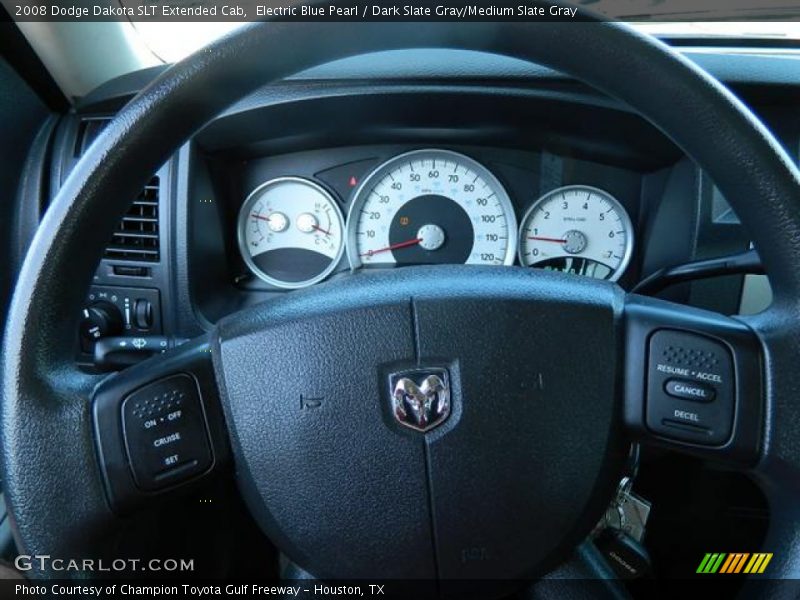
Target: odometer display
(577,229)
(431,207)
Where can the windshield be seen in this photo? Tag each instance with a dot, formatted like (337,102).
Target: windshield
(735,30)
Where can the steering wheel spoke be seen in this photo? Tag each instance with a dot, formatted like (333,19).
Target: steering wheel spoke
(693,381)
(159,426)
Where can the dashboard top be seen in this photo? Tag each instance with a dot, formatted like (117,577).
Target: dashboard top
(736,66)
(331,138)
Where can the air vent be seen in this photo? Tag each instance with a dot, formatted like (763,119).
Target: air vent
(88,130)
(137,236)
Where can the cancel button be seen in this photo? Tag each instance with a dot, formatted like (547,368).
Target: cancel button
(689,390)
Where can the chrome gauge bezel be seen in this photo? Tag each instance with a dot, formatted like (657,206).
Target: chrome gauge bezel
(627,224)
(360,195)
(241,224)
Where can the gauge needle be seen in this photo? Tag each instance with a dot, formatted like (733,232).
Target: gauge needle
(393,247)
(320,229)
(547,239)
(260,217)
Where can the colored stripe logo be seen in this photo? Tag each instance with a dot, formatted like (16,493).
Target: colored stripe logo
(735,562)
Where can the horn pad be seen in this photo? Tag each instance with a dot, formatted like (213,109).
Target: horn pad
(501,483)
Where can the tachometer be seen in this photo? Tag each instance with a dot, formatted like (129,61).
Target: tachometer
(430,207)
(291,232)
(577,229)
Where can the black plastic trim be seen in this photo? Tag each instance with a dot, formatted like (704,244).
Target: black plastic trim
(643,317)
(194,359)
(19,53)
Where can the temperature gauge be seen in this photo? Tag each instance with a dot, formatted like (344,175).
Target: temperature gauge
(290,232)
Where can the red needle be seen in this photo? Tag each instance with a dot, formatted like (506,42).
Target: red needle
(547,239)
(320,229)
(260,217)
(394,247)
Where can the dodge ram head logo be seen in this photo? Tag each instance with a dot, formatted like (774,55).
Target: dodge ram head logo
(420,398)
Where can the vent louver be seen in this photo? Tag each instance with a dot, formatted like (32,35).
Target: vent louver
(88,131)
(137,236)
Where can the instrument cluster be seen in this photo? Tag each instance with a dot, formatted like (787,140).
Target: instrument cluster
(430,206)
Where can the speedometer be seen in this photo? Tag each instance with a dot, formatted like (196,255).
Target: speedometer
(431,207)
(577,229)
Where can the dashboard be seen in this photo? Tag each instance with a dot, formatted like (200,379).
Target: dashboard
(400,159)
(389,207)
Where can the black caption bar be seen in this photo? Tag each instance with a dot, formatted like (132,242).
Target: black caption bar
(402,10)
(377,589)
(260,10)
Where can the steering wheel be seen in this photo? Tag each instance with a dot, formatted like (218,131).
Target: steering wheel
(495,468)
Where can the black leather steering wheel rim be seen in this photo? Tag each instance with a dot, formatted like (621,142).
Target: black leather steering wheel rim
(48,450)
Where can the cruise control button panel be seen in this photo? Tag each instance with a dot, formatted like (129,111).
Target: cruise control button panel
(691,392)
(165,430)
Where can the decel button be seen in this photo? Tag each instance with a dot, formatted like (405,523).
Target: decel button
(689,390)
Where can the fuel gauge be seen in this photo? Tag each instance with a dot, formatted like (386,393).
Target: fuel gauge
(290,232)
